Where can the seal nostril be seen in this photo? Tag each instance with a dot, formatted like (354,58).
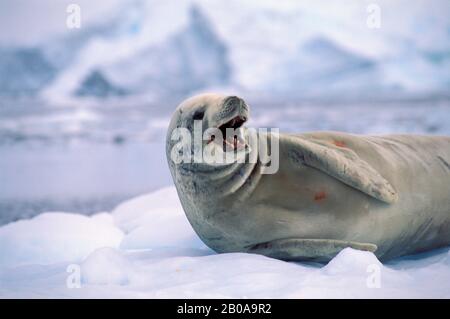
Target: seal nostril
(198,115)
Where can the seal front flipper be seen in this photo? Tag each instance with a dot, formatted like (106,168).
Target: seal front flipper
(343,164)
(297,249)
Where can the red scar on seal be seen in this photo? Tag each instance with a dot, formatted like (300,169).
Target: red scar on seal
(320,196)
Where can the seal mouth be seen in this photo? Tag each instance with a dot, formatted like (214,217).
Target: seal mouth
(234,138)
(235,123)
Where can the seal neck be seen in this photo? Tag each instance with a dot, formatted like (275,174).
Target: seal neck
(236,179)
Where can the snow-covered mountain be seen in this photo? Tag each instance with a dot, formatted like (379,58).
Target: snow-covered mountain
(292,48)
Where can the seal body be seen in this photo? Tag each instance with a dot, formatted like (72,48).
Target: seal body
(386,194)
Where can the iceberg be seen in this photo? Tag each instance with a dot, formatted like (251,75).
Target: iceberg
(176,48)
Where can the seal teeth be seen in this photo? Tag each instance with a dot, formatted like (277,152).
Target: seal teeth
(236,141)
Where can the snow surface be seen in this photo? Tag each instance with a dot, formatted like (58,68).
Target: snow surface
(145,248)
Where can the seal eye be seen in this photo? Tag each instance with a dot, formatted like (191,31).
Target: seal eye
(198,115)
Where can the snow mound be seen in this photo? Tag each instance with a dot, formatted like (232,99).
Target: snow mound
(54,237)
(351,261)
(106,266)
(155,220)
(104,218)
(146,248)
